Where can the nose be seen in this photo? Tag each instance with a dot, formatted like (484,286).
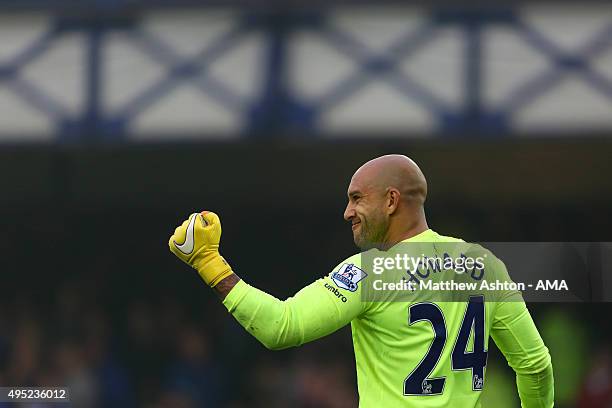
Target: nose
(349,212)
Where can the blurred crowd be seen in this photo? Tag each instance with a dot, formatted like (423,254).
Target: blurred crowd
(157,354)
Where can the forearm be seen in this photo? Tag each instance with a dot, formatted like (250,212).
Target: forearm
(518,339)
(263,316)
(223,288)
(536,389)
(312,313)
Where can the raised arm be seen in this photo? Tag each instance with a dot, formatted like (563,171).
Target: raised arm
(315,311)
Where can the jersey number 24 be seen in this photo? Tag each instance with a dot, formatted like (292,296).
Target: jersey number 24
(418,382)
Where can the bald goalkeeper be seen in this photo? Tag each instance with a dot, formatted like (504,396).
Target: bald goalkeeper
(423,352)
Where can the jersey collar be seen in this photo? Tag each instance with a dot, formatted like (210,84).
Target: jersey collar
(425,236)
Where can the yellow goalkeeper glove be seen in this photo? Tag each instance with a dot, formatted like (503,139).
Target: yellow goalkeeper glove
(196,242)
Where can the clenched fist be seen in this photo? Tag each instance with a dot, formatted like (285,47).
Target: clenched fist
(196,242)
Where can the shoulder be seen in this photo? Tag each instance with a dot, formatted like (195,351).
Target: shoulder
(445,238)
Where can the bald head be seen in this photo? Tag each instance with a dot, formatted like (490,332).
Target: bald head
(386,197)
(394,171)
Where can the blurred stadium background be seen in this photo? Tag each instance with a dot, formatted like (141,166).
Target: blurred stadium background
(118,118)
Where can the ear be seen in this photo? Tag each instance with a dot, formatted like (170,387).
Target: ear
(393,199)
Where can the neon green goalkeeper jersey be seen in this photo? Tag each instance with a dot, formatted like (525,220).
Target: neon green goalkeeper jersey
(413,348)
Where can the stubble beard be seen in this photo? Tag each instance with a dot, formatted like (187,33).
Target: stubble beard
(371,235)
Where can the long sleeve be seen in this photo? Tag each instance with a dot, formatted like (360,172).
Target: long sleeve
(517,337)
(315,311)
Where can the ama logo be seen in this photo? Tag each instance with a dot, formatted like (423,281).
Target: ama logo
(348,276)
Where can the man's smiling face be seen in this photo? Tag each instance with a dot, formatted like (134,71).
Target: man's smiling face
(365,211)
